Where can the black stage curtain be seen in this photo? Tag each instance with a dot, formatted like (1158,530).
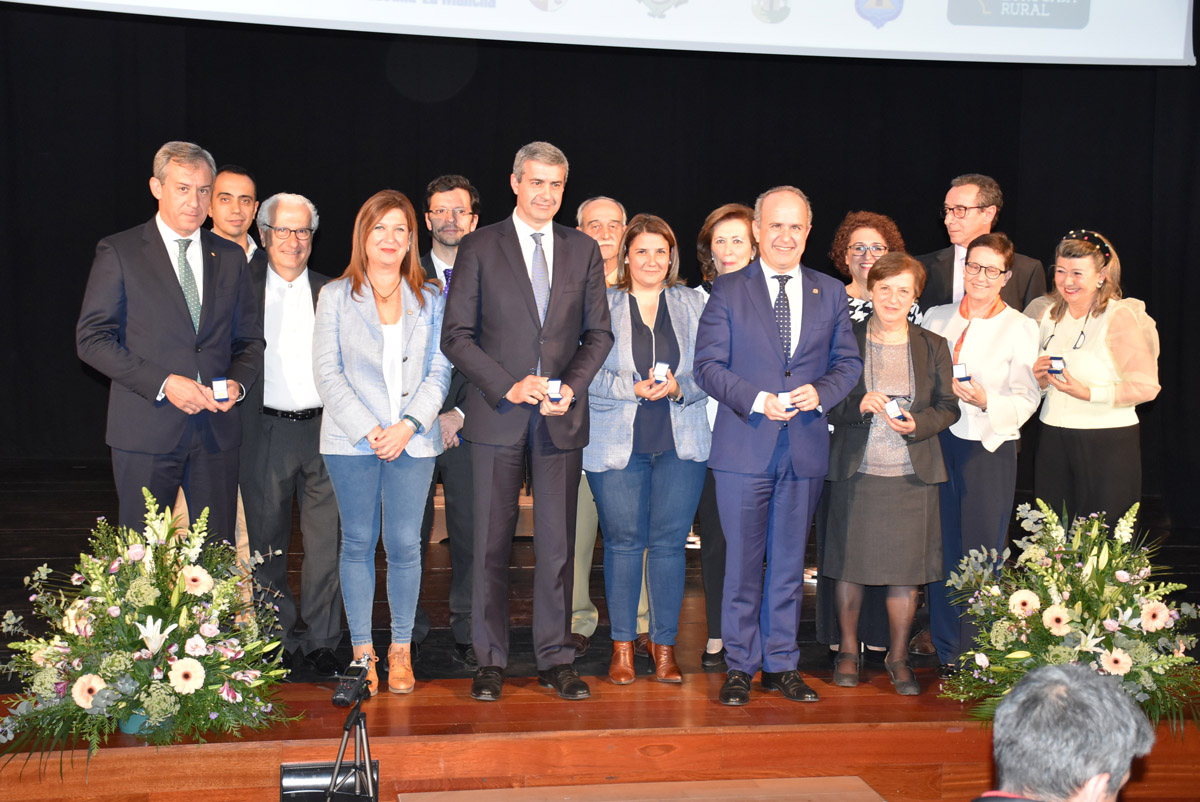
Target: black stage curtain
(87,97)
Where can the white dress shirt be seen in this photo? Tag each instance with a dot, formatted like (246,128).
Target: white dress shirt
(288,317)
(195,254)
(439,267)
(960,259)
(795,296)
(525,234)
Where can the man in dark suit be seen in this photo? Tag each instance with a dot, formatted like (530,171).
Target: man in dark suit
(168,309)
(775,348)
(971,208)
(281,438)
(527,306)
(451,212)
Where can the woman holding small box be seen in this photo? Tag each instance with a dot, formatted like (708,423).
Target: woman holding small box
(648,450)
(1089,455)
(884,467)
(993,347)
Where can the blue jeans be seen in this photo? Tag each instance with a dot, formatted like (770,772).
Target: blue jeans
(646,509)
(372,495)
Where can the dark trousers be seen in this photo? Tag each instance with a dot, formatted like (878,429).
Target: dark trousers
(287,464)
(1089,470)
(765,516)
(712,554)
(453,467)
(208,476)
(976,504)
(499,474)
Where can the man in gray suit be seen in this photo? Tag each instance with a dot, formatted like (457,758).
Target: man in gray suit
(972,207)
(527,307)
(451,213)
(281,437)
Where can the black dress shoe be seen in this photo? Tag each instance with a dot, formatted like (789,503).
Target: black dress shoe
(736,690)
(488,683)
(641,644)
(713,661)
(581,643)
(324,662)
(789,684)
(564,679)
(947,670)
(465,653)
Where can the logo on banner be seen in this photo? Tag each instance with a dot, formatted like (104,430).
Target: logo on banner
(771,10)
(879,12)
(659,8)
(548,5)
(1020,13)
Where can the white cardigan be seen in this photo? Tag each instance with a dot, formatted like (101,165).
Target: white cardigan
(999,353)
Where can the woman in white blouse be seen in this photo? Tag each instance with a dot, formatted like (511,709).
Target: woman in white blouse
(382,379)
(994,348)
(1089,455)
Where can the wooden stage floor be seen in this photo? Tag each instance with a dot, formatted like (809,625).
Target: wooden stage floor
(905,749)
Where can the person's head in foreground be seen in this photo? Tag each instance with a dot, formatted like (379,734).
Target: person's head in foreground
(1067,734)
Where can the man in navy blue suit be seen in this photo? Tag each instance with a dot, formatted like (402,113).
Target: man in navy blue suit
(775,348)
(169,309)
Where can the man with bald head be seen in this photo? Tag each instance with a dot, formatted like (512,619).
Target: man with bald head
(776,350)
(281,438)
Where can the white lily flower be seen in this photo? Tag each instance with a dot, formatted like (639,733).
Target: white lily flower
(153,635)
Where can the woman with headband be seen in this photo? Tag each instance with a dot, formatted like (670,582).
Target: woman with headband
(1098,360)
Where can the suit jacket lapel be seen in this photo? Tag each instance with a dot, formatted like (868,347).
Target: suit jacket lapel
(920,367)
(511,249)
(209,256)
(760,302)
(810,299)
(562,263)
(160,268)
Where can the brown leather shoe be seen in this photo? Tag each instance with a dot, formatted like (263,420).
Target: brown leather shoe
(665,668)
(921,643)
(641,646)
(372,672)
(400,673)
(581,643)
(620,670)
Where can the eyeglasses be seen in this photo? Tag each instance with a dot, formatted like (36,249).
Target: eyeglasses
(302,234)
(973,268)
(858,249)
(444,212)
(958,211)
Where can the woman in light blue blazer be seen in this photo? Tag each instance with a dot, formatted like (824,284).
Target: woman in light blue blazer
(648,449)
(382,379)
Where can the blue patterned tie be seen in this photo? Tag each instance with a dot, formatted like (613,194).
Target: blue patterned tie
(783,316)
(187,279)
(541,278)
(446,286)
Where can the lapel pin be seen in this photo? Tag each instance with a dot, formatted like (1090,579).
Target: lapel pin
(212,253)
(815,291)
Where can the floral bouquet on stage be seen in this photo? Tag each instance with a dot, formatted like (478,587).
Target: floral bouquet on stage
(155,632)
(1084,596)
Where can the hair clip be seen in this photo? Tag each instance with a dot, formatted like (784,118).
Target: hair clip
(1091,237)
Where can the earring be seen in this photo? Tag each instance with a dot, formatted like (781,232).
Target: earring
(1099,284)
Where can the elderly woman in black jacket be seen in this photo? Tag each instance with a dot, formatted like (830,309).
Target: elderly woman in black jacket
(885,464)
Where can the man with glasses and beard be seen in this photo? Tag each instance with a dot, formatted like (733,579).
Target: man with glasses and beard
(451,213)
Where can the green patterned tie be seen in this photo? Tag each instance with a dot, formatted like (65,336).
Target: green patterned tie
(187,279)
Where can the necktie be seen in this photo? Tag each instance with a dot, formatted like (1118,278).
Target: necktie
(446,287)
(783,316)
(541,278)
(187,279)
